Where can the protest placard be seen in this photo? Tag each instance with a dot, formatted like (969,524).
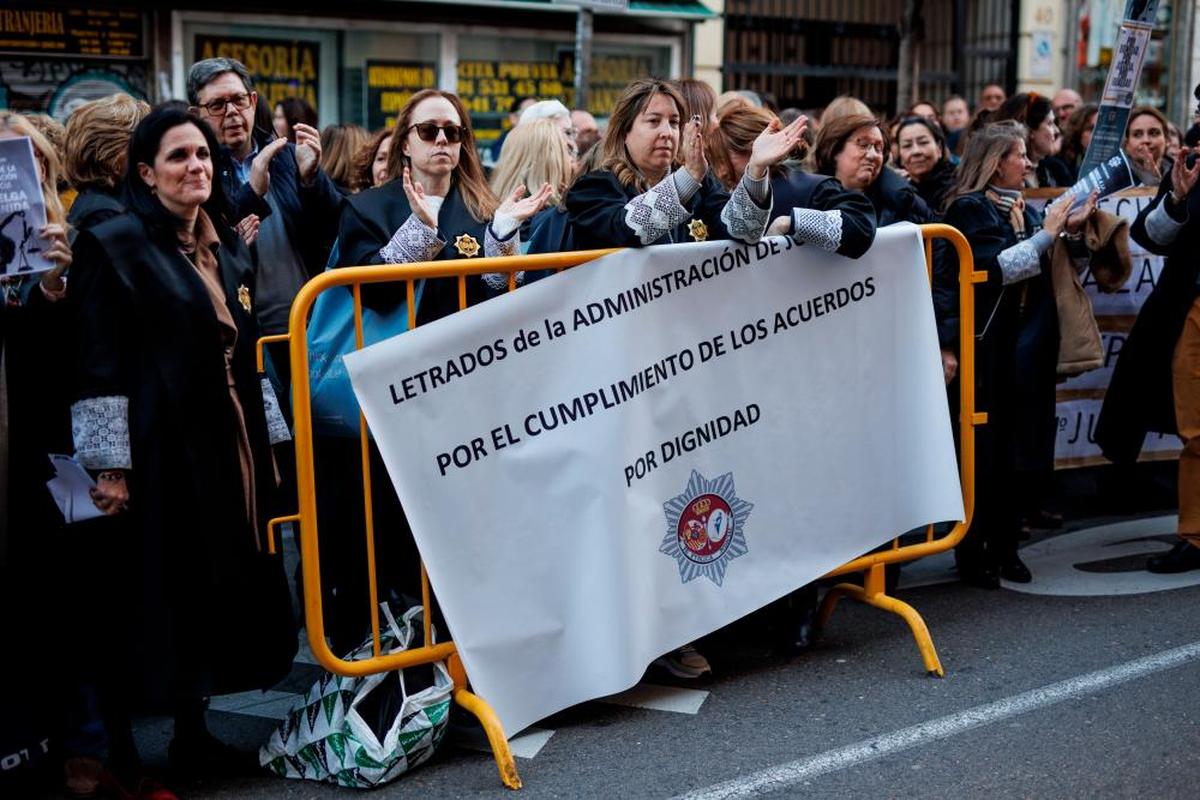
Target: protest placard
(22,210)
(612,462)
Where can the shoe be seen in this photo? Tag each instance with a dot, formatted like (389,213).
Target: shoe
(1182,557)
(1014,570)
(979,577)
(81,776)
(686,662)
(206,756)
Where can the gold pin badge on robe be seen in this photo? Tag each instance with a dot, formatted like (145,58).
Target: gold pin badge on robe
(467,245)
(698,230)
(244,297)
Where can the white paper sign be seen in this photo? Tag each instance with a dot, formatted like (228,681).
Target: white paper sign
(612,462)
(22,210)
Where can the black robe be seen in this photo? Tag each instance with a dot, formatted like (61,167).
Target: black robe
(596,212)
(206,611)
(935,187)
(1016,355)
(795,189)
(370,219)
(1141,394)
(897,200)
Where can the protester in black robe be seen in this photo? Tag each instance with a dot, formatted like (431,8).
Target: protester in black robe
(635,199)
(811,208)
(853,149)
(1016,347)
(1142,395)
(174,422)
(435,206)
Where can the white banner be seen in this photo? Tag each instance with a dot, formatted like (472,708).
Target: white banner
(612,462)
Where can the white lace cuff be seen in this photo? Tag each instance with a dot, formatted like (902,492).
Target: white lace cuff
(745,219)
(654,213)
(414,241)
(1023,260)
(503,225)
(507,245)
(277,429)
(100,428)
(820,228)
(1160,226)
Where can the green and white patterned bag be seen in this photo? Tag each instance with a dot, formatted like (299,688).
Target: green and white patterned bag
(327,736)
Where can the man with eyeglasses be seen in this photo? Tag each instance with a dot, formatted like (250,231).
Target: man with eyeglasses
(283,184)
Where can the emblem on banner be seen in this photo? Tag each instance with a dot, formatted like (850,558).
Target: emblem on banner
(704,527)
(467,245)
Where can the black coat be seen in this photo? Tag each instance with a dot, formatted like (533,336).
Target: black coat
(310,212)
(208,613)
(596,212)
(936,187)
(1016,355)
(93,206)
(1053,171)
(1140,395)
(370,219)
(897,200)
(795,189)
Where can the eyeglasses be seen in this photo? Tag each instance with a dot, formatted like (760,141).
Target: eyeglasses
(217,107)
(428,131)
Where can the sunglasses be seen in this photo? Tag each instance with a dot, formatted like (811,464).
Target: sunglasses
(428,131)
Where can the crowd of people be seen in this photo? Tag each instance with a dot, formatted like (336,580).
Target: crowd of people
(182,233)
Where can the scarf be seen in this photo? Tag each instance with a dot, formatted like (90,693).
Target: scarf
(1011,206)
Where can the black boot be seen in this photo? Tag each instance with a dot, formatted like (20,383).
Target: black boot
(1184,556)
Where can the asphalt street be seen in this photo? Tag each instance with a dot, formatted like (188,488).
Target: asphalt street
(1056,694)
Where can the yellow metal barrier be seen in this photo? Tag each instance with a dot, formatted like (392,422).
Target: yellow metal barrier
(306,517)
(872,566)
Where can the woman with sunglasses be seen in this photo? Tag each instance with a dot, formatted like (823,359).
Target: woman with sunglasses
(440,208)
(653,185)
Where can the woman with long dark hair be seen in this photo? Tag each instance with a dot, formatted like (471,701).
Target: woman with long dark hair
(176,426)
(653,185)
(1016,347)
(436,205)
(1044,140)
(924,158)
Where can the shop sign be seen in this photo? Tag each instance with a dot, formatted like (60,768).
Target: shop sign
(390,84)
(36,29)
(488,88)
(281,68)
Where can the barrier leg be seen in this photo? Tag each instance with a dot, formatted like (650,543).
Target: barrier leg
(491,724)
(873,594)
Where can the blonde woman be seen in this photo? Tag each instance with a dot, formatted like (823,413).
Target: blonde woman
(96,144)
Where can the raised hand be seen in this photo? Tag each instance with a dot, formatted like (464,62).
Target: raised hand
(260,175)
(1056,215)
(247,228)
(58,252)
(308,151)
(522,209)
(773,145)
(1183,179)
(1079,217)
(692,151)
(415,193)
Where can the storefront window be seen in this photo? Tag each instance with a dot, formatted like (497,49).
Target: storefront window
(381,71)
(493,73)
